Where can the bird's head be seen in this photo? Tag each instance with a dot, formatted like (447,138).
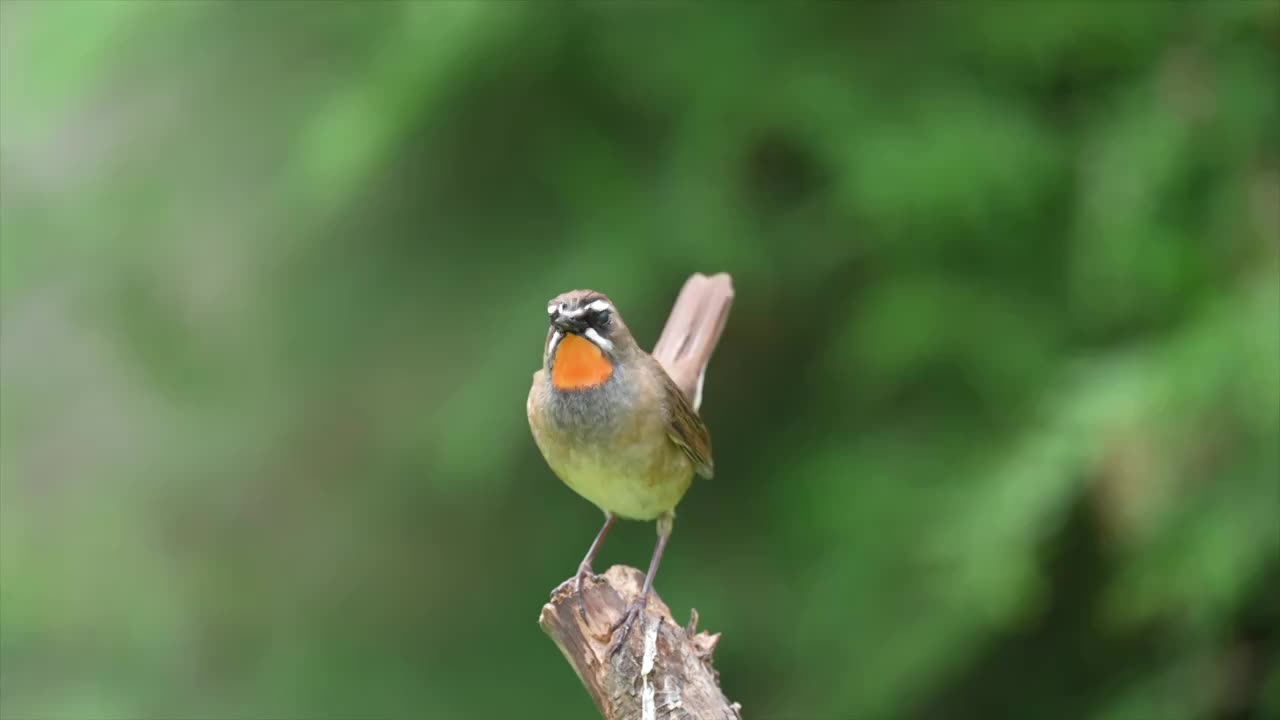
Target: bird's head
(585,341)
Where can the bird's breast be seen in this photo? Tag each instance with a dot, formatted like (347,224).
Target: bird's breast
(611,447)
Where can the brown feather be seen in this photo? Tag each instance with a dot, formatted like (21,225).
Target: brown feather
(686,429)
(683,350)
(693,328)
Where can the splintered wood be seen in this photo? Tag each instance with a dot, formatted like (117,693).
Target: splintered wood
(664,672)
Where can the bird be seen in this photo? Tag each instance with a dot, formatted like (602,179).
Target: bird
(620,426)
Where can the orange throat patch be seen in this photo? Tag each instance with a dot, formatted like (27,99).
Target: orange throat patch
(579,364)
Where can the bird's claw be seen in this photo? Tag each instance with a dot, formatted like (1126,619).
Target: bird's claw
(584,570)
(635,610)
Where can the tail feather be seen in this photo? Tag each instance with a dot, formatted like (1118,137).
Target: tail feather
(692,331)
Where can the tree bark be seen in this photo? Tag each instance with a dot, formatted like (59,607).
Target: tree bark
(663,673)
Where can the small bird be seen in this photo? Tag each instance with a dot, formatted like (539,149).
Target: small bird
(620,426)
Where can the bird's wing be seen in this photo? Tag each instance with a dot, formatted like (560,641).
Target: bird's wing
(686,429)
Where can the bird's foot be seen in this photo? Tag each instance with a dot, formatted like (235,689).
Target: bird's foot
(584,571)
(634,611)
(573,582)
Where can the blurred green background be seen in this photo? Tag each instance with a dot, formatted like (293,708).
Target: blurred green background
(996,415)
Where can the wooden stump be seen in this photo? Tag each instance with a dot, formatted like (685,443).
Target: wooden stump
(664,671)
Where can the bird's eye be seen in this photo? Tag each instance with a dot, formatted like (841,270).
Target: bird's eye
(602,318)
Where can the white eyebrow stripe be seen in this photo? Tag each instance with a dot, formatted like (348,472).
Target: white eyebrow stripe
(551,309)
(597,306)
(598,339)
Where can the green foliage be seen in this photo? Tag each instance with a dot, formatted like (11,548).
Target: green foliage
(996,416)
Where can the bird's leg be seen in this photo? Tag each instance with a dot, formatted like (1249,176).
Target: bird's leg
(637,607)
(584,568)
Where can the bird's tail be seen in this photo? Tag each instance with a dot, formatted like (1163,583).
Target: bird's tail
(693,328)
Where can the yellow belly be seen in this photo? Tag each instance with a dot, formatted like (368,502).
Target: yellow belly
(637,483)
(637,473)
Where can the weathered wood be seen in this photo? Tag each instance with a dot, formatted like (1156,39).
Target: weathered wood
(664,671)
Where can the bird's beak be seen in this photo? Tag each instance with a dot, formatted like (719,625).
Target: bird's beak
(569,324)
